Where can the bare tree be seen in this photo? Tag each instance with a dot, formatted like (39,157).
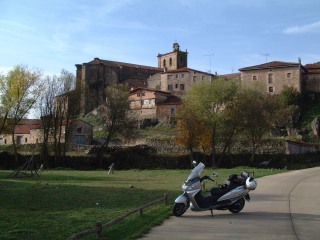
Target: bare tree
(56,109)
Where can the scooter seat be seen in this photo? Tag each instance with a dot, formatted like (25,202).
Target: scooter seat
(217,192)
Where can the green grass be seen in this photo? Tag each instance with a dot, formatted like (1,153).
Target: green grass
(61,203)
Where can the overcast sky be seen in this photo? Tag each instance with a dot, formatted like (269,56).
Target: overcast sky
(230,34)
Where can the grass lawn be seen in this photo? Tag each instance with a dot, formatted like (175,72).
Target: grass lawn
(63,202)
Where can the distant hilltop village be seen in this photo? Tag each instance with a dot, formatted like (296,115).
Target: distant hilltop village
(172,78)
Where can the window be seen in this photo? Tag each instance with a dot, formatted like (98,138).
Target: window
(289,75)
(177,85)
(173,111)
(170,77)
(182,75)
(177,75)
(270,78)
(170,87)
(271,89)
(79,130)
(182,87)
(254,77)
(143,94)
(181,60)
(25,140)
(202,77)
(170,61)
(138,94)
(194,78)
(19,139)
(164,62)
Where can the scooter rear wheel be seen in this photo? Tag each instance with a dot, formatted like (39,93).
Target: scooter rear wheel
(237,206)
(178,209)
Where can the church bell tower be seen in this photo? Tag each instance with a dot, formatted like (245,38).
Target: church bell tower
(173,60)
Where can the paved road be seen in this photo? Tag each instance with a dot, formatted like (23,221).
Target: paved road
(284,206)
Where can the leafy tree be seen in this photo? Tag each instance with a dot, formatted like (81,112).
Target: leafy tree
(289,98)
(190,129)
(4,106)
(257,112)
(115,117)
(22,89)
(208,101)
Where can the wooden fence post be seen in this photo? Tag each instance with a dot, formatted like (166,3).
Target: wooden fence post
(99,232)
(165,198)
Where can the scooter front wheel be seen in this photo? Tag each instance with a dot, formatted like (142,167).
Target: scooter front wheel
(237,206)
(178,209)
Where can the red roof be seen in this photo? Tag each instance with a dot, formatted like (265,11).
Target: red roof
(274,64)
(185,69)
(25,125)
(312,66)
(148,89)
(122,64)
(231,75)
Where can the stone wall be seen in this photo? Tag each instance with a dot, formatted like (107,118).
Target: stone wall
(280,78)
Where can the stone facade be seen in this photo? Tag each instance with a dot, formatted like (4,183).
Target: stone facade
(173,60)
(312,79)
(178,81)
(153,105)
(274,76)
(30,131)
(93,77)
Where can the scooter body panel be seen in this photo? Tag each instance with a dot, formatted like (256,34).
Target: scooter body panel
(234,194)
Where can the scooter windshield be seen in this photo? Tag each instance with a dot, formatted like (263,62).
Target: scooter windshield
(196,171)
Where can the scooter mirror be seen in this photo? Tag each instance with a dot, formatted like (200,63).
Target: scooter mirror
(215,174)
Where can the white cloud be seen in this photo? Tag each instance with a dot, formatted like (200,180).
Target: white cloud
(312,27)
(4,70)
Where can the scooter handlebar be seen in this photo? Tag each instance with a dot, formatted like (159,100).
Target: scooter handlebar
(206,177)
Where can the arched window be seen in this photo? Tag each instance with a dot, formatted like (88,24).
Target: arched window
(164,62)
(170,62)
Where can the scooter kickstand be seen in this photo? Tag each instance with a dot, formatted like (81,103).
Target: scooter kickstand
(211,213)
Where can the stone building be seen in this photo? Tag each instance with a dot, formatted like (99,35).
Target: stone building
(93,77)
(30,131)
(173,60)
(178,81)
(153,105)
(176,77)
(274,76)
(312,79)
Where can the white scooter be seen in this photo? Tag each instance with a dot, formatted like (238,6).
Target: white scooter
(229,196)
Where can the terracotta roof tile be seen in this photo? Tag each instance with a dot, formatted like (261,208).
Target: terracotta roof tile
(26,125)
(231,75)
(148,89)
(122,64)
(312,66)
(274,64)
